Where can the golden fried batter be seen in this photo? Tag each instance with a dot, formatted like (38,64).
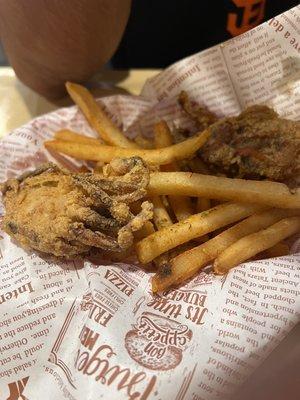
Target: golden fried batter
(66,214)
(256,144)
(200,114)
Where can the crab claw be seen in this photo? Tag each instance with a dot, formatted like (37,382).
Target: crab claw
(94,239)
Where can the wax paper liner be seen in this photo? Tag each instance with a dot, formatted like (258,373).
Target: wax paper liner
(85,330)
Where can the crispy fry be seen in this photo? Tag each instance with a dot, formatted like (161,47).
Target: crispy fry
(181,205)
(198,166)
(161,261)
(161,220)
(193,227)
(162,139)
(273,194)
(96,117)
(107,153)
(70,136)
(187,264)
(146,230)
(162,135)
(255,243)
(161,217)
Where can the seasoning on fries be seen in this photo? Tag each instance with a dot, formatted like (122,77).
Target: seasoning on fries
(70,136)
(96,117)
(181,205)
(251,245)
(272,194)
(187,264)
(105,153)
(192,227)
(161,217)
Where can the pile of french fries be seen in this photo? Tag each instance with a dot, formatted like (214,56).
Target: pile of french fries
(199,219)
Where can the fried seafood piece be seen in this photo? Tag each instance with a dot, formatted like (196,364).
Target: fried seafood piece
(256,144)
(66,214)
(200,114)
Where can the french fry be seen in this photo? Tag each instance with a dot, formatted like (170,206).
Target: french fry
(96,117)
(146,230)
(255,243)
(196,165)
(105,153)
(161,217)
(193,227)
(272,194)
(162,135)
(70,136)
(181,206)
(187,264)
(162,139)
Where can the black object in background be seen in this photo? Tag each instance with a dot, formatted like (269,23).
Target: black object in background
(160,32)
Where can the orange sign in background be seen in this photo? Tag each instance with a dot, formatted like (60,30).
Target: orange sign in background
(252,14)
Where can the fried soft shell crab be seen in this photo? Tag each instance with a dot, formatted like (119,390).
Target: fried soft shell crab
(257,144)
(66,214)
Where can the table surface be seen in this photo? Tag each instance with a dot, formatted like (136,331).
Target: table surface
(19,104)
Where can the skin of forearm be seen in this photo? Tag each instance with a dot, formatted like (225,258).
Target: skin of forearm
(49,42)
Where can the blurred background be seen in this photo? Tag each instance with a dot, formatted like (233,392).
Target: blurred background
(3,60)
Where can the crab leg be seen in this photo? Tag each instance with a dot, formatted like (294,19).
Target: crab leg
(118,210)
(131,170)
(125,234)
(95,239)
(49,167)
(111,185)
(92,219)
(98,195)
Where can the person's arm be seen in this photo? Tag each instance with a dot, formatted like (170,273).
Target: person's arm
(51,41)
